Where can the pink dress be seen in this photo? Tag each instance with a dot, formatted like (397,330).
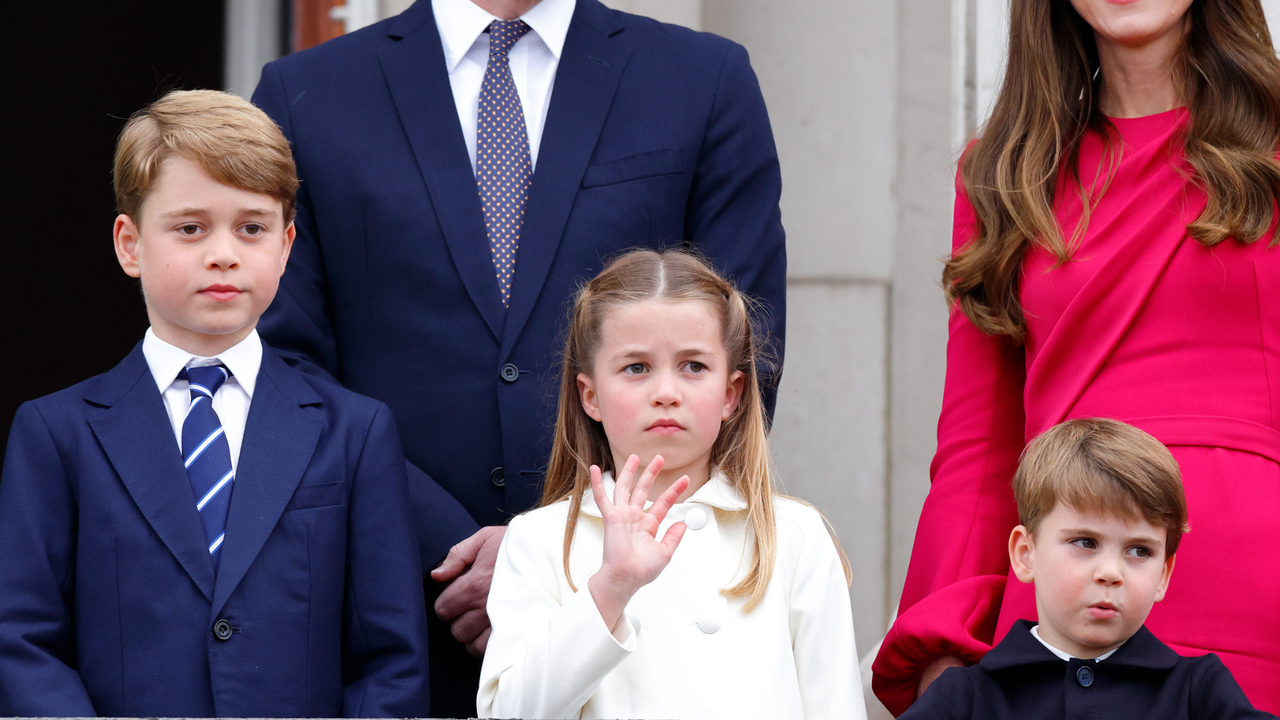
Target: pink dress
(1147,326)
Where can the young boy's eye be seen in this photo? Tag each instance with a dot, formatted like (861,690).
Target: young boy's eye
(188,229)
(1086,543)
(1140,551)
(253,229)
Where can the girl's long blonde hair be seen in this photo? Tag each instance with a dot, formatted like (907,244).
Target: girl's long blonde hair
(740,450)
(1226,72)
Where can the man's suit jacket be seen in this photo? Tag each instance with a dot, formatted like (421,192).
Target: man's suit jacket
(655,135)
(109,604)
(1144,678)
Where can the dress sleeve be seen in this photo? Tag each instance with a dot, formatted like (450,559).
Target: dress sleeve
(959,563)
(822,628)
(549,650)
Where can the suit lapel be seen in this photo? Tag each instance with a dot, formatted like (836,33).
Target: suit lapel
(415,71)
(279,439)
(135,433)
(591,65)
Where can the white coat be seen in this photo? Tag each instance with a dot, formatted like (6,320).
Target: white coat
(682,649)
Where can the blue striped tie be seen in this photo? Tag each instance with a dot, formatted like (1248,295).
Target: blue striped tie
(504,170)
(207,455)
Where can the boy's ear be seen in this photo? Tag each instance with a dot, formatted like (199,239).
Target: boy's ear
(732,395)
(125,235)
(1164,577)
(289,233)
(1021,545)
(587,393)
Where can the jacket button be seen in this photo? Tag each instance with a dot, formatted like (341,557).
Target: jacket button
(696,518)
(498,477)
(709,624)
(222,630)
(1085,676)
(510,373)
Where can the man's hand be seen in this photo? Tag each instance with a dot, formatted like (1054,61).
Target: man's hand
(468,570)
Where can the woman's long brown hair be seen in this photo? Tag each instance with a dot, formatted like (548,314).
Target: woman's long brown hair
(1227,74)
(740,450)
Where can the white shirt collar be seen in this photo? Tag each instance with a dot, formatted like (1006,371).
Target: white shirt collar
(165,360)
(461,22)
(717,492)
(1035,632)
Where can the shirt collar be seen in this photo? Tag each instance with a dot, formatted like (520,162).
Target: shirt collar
(1035,632)
(461,22)
(1021,647)
(716,492)
(166,360)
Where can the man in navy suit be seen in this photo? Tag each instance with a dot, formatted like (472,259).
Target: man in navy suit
(464,167)
(204,531)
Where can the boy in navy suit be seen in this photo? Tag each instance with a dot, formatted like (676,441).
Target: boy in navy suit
(203,531)
(1102,513)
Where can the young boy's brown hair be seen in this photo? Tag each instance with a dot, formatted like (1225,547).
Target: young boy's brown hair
(1104,467)
(233,141)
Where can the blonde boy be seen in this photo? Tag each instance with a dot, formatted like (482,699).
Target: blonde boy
(203,531)
(1102,513)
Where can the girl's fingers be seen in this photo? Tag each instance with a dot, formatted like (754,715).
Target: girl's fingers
(597,490)
(622,488)
(640,493)
(671,540)
(668,498)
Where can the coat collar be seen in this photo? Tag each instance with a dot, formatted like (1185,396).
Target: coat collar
(590,68)
(1018,647)
(717,493)
(137,437)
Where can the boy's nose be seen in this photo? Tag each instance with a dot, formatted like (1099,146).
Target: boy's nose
(1107,572)
(222,251)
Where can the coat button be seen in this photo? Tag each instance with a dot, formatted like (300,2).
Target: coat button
(510,373)
(222,630)
(709,624)
(498,477)
(1085,676)
(696,518)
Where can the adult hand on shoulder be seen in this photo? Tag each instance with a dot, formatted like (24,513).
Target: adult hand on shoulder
(468,571)
(935,669)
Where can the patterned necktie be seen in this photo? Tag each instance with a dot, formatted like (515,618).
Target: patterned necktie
(207,455)
(503,167)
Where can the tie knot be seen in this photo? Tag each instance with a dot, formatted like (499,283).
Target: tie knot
(205,380)
(503,34)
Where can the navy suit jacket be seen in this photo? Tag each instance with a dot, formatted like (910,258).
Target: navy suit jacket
(108,598)
(1021,680)
(655,135)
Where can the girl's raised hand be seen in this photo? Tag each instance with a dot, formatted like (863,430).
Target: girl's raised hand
(633,555)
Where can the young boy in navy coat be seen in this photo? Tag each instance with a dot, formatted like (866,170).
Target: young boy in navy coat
(203,531)
(1102,513)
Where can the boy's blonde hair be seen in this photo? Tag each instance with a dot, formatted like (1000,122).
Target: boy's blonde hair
(740,450)
(233,141)
(1105,467)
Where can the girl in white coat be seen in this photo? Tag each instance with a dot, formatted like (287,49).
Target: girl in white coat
(718,600)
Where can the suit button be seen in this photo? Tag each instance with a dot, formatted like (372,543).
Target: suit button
(1085,676)
(696,518)
(510,373)
(498,477)
(222,630)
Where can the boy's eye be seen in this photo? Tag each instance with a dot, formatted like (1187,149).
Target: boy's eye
(1140,551)
(1086,543)
(254,229)
(188,229)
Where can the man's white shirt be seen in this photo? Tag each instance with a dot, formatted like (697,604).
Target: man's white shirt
(231,402)
(533,59)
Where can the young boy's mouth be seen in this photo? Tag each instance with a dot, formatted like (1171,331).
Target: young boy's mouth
(221,292)
(1103,611)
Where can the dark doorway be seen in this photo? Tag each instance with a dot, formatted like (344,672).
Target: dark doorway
(75,74)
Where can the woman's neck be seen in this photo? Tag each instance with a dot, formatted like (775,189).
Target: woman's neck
(1138,80)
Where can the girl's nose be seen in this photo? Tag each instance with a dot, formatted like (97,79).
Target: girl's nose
(666,389)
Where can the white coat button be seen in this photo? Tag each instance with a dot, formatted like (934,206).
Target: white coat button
(709,624)
(696,519)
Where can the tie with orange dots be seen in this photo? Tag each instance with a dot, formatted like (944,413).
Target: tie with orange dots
(503,167)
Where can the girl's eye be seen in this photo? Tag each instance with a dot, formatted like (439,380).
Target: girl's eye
(634,369)
(1086,543)
(696,367)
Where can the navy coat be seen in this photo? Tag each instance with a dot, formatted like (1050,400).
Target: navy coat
(1021,680)
(108,599)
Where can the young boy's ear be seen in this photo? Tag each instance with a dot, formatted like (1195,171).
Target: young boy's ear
(289,233)
(1021,545)
(587,394)
(125,235)
(1164,578)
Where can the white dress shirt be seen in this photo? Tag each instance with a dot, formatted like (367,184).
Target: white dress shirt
(1035,633)
(682,648)
(231,402)
(533,59)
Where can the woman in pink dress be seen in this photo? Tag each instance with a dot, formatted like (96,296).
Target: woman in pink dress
(1114,255)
